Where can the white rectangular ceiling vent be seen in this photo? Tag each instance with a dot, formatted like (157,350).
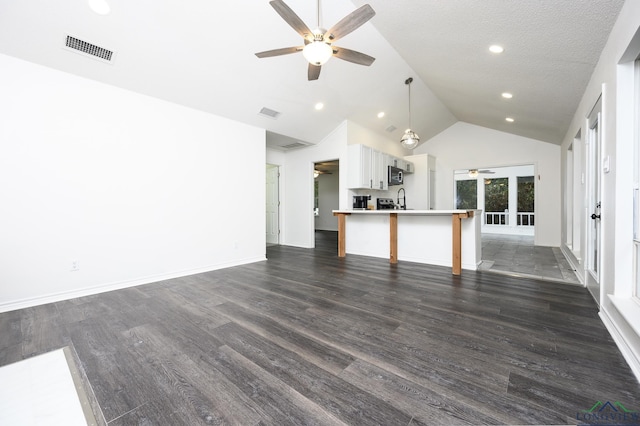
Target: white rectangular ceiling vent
(269,113)
(294,145)
(90,49)
(391,128)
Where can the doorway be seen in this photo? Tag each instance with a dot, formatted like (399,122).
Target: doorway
(505,194)
(594,146)
(326,184)
(272,205)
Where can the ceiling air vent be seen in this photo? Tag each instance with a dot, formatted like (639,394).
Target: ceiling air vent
(391,128)
(269,113)
(294,145)
(89,49)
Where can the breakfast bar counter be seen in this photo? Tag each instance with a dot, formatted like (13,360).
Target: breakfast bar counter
(437,237)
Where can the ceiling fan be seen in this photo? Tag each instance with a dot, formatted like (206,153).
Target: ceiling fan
(318,46)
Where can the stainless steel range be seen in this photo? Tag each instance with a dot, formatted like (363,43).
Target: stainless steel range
(385,204)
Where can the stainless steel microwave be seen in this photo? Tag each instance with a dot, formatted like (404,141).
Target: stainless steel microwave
(396,176)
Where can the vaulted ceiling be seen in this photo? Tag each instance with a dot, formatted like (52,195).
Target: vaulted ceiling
(200,53)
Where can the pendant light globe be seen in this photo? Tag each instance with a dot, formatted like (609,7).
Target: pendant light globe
(410,139)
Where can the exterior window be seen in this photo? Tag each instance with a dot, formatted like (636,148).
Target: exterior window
(467,194)
(526,197)
(496,201)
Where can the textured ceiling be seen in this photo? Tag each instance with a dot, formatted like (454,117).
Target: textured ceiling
(200,54)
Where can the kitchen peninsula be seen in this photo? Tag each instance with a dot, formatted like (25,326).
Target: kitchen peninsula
(436,237)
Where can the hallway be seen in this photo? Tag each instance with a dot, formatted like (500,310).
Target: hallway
(517,255)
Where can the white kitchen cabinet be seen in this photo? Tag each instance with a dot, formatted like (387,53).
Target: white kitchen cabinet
(359,169)
(397,162)
(408,167)
(420,186)
(379,166)
(367,168)
(405,165)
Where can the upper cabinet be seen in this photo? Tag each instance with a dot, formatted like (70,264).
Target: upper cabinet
(367,168)
(405,165)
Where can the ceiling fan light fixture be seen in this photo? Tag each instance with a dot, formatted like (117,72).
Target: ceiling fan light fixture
(317,52)
(473,173)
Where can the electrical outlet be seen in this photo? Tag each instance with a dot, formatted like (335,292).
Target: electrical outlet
(75,265)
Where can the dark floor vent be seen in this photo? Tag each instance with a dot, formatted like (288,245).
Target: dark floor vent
(89,49)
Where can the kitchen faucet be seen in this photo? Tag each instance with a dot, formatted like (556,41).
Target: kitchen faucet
(402,206)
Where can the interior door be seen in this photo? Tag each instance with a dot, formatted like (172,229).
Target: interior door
(272,205)
(594,143)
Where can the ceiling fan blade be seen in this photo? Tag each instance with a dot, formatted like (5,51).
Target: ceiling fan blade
(352,56)
(278,52)
(291,18)
(350,22)
(313,72)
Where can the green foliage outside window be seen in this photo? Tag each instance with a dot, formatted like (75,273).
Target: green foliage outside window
(526,194)
(496,194)
(466,194)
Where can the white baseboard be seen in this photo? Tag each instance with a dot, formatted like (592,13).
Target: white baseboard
(625,349)
(573,261)
(87,291)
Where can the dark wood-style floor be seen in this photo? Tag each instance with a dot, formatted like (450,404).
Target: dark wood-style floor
(308,338)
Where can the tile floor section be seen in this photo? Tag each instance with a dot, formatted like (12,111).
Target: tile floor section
(517,255)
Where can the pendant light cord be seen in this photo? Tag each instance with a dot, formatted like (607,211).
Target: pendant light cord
(408,83)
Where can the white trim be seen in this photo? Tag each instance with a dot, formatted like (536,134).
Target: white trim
(629,309)
(574,262)
(627,352)
(57,297)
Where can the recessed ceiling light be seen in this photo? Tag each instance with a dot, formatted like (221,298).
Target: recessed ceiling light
(101,7)
(381,114)
(510,120)
(507,95)
(496,49)
(319,106)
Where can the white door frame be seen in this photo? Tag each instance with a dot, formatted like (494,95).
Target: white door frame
(593,201)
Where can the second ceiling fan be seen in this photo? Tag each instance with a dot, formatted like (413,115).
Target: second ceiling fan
(318,46)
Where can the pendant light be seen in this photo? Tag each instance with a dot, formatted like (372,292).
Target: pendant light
(410,139)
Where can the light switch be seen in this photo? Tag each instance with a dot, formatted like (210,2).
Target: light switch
(606,164)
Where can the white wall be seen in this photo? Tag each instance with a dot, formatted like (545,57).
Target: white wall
(465,146)
(297,195)
(126,185)
(328,200)
(612,78)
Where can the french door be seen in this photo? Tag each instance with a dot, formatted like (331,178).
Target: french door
(594,204)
